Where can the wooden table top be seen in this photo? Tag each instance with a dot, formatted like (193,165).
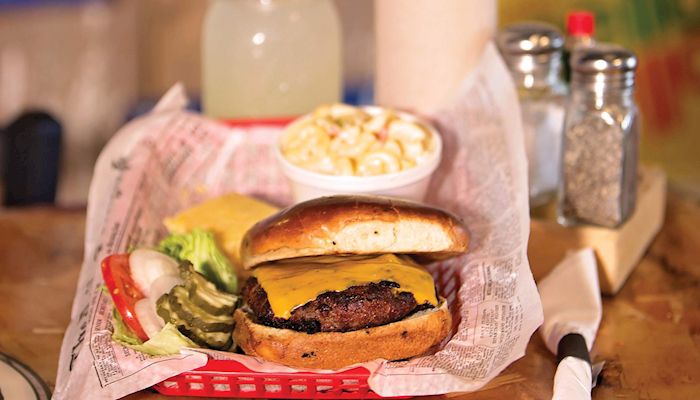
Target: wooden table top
(649,336)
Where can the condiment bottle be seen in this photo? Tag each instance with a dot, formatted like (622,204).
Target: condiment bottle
(532,52)
(270,58)
(580,28)
(33,151)
(601,139)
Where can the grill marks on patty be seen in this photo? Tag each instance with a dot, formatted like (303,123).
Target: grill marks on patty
(352,309)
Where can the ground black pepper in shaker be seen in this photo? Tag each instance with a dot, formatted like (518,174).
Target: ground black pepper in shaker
(601,139)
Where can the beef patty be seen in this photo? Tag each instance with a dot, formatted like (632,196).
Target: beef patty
(354,308)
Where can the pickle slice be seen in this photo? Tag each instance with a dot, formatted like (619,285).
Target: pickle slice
(163,308)
(199,310)
(210,302)
(204,294)
(213,340)
(195,316)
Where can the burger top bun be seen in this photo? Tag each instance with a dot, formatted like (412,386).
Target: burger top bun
(354,225)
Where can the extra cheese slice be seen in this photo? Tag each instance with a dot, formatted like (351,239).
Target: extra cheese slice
(228,217)
(293,283)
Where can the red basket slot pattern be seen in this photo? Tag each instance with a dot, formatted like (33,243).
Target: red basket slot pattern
(227,378)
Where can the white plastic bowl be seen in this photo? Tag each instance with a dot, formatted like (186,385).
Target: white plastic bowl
(411,184)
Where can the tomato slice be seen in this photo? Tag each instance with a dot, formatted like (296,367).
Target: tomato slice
(117,276)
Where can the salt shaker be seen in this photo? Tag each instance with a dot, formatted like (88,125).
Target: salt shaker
(533,53)
(601,139)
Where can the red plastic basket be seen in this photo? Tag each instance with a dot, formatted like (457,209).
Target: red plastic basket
(227,378)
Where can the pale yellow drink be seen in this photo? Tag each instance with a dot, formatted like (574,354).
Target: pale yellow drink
(270,58)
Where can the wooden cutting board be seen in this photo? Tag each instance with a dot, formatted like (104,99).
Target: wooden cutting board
(618,250)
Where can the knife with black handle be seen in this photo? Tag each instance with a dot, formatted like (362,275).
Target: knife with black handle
(572,312)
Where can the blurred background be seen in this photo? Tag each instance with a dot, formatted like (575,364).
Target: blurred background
(93,65)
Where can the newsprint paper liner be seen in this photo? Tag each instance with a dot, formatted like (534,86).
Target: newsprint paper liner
(171,159)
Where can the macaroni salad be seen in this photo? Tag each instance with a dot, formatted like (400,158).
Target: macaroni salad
(343,140)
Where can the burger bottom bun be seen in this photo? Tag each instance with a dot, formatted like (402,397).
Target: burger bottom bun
(407,338)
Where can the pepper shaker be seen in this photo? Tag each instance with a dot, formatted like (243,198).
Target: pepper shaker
(533,54)
(601,139)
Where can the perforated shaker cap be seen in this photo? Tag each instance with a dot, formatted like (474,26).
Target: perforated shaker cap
(604,63)
(603,59)
(529,38)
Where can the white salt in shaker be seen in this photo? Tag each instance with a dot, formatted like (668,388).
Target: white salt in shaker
(533,53)
(601,139)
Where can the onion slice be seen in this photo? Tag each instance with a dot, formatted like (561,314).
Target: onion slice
(148,265)
(151,322)
(162,285)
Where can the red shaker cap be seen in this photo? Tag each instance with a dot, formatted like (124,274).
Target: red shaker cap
(580,23)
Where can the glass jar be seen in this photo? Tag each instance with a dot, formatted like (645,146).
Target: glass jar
(601,139)
(270,58)
(533,52)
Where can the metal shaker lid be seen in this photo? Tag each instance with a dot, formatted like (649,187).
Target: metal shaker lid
(603,58)
(529,38)
(603,67)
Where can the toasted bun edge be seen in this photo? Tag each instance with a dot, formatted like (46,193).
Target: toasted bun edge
(355,225)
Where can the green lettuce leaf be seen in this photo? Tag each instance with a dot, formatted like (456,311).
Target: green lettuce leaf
(168,341)
(121,333)
(199,248)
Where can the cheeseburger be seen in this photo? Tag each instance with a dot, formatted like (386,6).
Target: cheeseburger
(333,281)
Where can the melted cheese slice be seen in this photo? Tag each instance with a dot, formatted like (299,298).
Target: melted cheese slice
(228,217)
(293,283)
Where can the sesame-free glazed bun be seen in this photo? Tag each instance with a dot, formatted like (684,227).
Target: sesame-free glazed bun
(354,225)
(406,338)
